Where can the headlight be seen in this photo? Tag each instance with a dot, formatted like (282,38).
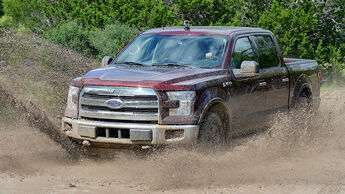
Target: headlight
(72,102)
(185,99)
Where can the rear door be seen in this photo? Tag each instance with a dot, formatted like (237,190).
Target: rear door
(274,72)
(247,94)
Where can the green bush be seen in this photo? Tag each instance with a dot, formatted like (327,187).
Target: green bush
(72,35)
(25,12)
(206,12)
(110,40)
(98,42)
(304,29)
(40,15)
(6,21)
(292,26)
(334,70)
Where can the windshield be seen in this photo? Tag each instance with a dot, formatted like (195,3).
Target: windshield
(204,51)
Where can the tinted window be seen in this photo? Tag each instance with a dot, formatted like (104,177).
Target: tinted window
(267,51)
(243,52)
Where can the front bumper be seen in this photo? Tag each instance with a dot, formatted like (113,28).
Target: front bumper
(129,133)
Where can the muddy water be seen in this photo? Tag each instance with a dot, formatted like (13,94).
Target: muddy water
(294,155)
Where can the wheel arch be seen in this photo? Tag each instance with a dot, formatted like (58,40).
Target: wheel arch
(219,103)
(303,83)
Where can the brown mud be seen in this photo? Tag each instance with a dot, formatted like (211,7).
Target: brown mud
(37,119)
(295,155)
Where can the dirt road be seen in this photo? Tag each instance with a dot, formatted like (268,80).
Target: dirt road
(294,156)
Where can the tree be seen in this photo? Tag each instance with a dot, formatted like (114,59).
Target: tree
(1,9)
(294,25)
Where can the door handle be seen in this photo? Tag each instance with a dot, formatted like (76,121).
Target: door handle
(262,84)
(284,80)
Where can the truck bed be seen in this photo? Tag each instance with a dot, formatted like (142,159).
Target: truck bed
(301,65)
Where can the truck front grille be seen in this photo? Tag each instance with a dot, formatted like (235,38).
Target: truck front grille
(136,104)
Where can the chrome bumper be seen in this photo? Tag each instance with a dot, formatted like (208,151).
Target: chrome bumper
(144,134)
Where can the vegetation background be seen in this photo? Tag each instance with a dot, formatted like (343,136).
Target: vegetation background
(312,29)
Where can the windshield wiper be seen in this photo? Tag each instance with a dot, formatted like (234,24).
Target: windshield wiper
(129,63)
(174,64)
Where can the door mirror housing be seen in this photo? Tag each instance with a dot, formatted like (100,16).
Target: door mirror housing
(106,61)
(248,69)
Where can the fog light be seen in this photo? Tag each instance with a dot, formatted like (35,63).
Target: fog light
(172,134)
(67,127)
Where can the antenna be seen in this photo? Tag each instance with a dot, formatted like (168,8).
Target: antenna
(186,25)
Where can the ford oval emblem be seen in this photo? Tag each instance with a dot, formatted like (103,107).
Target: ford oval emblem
(114,103)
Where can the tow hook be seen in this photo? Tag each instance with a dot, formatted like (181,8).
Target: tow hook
(146,147)
(86,143)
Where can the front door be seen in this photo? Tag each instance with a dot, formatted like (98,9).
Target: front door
(247,94)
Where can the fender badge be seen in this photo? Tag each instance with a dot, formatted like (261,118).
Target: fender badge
(227,84)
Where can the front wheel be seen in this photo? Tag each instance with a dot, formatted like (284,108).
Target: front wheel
(213,130)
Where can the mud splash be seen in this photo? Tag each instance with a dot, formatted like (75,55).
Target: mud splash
(298,147)
(37,119)
(295,151)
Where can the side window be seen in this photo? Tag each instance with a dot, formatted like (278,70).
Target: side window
(243,52)
(267,51)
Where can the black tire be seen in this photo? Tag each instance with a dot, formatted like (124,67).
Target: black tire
(213,130)
(303,101)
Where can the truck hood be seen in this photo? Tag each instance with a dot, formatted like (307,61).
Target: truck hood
(158,78)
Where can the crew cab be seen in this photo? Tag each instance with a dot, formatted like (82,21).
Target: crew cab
(188,85)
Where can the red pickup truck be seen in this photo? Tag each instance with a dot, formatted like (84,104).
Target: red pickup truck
(188,84)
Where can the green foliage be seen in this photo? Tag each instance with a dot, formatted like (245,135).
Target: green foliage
(304,29)
(292,26)
(42,14)
(110,40)
(310,30)
(71,35)
(97,42)
(6,21)
(334,70)
(207,12)
(23,11)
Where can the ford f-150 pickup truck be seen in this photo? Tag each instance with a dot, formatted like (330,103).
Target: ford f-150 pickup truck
(188,85)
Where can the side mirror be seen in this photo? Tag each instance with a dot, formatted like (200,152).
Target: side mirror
(106,61)
(248,69)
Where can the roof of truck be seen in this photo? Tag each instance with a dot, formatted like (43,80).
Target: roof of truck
(203,30)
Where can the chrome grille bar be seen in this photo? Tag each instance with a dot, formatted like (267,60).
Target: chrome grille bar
(127,104)
(120,115)
(119,91)
(138,104)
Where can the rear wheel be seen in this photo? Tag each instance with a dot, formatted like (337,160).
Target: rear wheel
(213,129)
(303,101)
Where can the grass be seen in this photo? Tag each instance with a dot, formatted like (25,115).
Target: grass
(329,88)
